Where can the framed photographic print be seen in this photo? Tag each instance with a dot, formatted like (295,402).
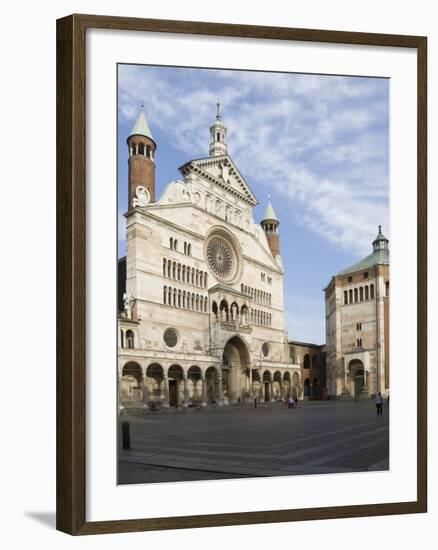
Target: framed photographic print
(241,228)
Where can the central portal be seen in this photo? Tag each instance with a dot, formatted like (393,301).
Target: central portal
(236,365)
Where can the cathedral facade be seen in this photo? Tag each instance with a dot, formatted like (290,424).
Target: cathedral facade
(357,326)
(201,315)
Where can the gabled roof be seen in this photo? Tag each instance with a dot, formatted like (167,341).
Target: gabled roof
(210,168)
(378,257)
(141,127)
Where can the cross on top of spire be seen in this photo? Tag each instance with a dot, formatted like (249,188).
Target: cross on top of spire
(218,112)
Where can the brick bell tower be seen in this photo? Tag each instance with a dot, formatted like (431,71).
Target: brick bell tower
(270,225)
(141,161)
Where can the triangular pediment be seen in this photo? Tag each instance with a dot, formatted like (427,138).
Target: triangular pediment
(221,171)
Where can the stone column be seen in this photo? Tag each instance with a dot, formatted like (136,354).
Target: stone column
(204,390)
(145,395)
(166,391)
(262,387)
(220,393)
(186,396)
(119,392)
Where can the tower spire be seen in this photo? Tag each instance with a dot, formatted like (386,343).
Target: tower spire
(270,225)
(141,160)
(380,241)
(218,133)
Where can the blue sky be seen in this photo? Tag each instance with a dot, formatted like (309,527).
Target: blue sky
(318,144)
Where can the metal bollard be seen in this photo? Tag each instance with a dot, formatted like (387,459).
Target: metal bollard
(126,436)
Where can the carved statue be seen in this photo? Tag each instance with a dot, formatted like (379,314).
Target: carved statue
(225,172)
(128,302)
(142,197)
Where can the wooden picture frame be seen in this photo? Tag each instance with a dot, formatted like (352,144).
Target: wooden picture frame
(71,273)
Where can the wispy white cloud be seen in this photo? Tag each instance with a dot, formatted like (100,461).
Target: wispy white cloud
(319,141)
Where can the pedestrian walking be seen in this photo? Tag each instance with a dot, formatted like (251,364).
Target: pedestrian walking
(255,402)
(378,400)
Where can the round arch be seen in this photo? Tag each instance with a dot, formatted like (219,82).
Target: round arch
(194,384)
(175,376)
(235,369)
(131,385)
(356,377)
(154,383)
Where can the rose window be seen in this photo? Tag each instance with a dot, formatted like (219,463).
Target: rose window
(220,257)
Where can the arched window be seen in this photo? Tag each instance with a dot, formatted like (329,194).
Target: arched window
(141,149)
(372,292)
(174,297)
(214,308)
(129,339)
(184,299)
(148,152)
(122,339)
(350,296)
(205,304)
(184,273)
(218,136)
(169,268)
(174,270)
(361,294)
(189,249)
(345,297)
(306,362)
(164,294)
(175,244)
(367,293)
(179,298)
(171,243)
(169,296)
(355,295)
(387,288)
(185,247)
(179,272)
(164,266)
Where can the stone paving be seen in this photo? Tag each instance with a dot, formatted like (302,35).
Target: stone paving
(228,442)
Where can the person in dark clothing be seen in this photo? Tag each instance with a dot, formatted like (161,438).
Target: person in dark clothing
(379,403)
